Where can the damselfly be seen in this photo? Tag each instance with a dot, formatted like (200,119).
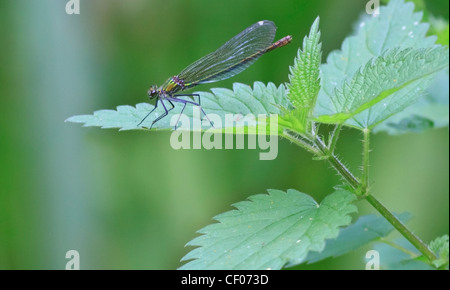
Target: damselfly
(233,57)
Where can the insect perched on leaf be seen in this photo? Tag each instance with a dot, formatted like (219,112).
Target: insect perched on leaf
(233,57)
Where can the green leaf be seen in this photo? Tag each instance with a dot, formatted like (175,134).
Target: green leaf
(270,231)
(397,27)
(386,85)
(429,112)
(440,246)
(365,230)
(239,102)
(304,78)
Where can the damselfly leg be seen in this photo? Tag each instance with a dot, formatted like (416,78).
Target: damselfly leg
(185,102)
(166,112)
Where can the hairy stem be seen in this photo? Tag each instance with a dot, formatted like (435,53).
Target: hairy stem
(334,137)
(365,165)
(338,165)
(295,138)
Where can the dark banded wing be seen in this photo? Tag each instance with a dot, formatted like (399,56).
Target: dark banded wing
(233,57)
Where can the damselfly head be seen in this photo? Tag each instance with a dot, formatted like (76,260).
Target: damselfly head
(153,92)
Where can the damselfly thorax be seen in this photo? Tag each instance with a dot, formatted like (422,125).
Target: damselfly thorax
(170,87)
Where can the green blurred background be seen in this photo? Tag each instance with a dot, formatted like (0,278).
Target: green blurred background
(127,200)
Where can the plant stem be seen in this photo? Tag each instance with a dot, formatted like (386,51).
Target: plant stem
(335,137)
(365,165)
(338,165)
(410,236)
(293,137)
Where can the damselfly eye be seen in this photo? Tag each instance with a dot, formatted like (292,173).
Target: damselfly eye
(152,92)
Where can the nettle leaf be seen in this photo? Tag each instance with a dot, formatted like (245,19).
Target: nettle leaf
(386,85)
(270,231)
(243,104)
(304,78)
(440,246)
(396,28)
(430,111)
(365,230)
